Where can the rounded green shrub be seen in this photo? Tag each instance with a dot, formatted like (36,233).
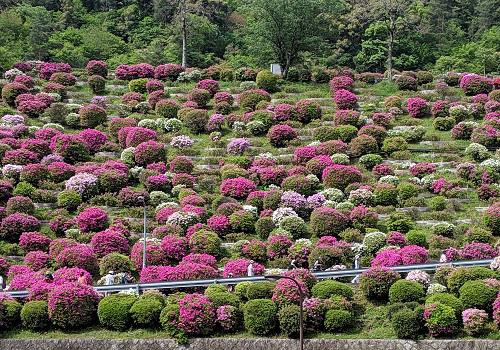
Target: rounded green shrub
(338,320)
(260,290)
(35,315)
(241,289)
(260,316)
(138,85)
(222,297)
(463,274)
(267,81)
(97,84)
(328,288)
(69,199)
(196,120)
(115,262)
(10,311)
(289,320)
(114,311)
(477,294)
(145,313)
(417,237)
(446,299)
(406,324)
(406,291)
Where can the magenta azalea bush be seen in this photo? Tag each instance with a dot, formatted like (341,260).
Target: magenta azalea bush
(72,305)
(197,314)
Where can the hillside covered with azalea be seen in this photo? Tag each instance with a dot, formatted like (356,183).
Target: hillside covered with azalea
(239,167)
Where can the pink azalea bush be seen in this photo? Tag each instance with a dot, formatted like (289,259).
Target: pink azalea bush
(197,314)
(72,305)
(238,187)
(92,219)
(417,107)
(238,268)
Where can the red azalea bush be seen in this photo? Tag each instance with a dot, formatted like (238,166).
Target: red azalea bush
(154,85)
(277,246)
(73,305)
(109,241)
(133,136)
(388,258)
(92,115)
(94,139)
(413,254)
(36,259)
(11,90)
(238,187)
(327,221)
(46,69)
(341,82)
(347,117)
(210,85)
(286,292)
(20,157)
(422,169)
(92,219)
(58,245)
(375,282)
(71,274)
(66,79)
(181,164)
(417,107)
(134,71)
(492,218)
(477,251)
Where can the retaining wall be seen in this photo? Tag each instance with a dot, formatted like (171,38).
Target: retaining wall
(244,344)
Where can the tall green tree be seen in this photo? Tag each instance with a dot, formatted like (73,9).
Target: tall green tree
(290,27)
(391,12)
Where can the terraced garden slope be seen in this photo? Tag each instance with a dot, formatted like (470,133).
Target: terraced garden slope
(239,168)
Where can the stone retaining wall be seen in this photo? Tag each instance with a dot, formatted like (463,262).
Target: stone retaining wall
(244,344)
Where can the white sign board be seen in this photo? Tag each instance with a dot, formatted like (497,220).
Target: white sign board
(276,69)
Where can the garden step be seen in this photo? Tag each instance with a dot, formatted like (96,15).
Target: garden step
(45,205)
(112,155)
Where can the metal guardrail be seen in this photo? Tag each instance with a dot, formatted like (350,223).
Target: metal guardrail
(140,287)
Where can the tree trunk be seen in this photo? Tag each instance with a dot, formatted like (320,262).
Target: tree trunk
(184,34)
(391,43)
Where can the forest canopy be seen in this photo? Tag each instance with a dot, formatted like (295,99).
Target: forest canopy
(439,35)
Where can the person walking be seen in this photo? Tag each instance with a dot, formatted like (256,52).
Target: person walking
(109,280)
(317,265)
(293,264)
(1,283)
(250,272)
(81,279)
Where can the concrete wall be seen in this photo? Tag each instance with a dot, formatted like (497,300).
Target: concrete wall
(244,344)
